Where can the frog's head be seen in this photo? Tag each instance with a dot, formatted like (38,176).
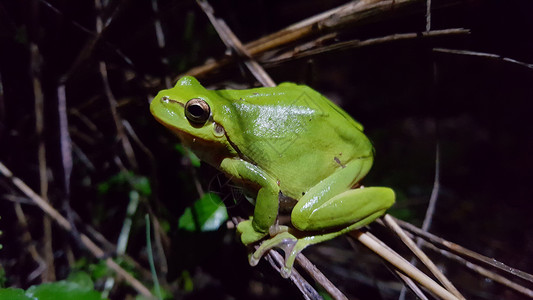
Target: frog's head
(188,110)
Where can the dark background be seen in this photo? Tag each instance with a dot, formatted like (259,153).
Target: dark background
(408,97)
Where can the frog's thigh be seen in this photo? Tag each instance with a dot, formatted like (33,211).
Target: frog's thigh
(331,203)
(361,206)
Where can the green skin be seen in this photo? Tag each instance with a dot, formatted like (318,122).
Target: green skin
(287,140)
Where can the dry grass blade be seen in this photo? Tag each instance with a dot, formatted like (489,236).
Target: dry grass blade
(348,14)
(378,247)
(231,41)
(422,256)
(409,283)
(308,292)
(455,248)
(346,45)
(49,266)
(482,271)
(319,277)
(461,253)
(28,239)
(483,54)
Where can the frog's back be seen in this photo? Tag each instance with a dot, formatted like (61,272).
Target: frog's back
(295,134)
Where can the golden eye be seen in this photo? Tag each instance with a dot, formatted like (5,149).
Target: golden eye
(197,111)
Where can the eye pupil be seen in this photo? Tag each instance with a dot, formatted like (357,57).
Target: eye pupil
(197,111)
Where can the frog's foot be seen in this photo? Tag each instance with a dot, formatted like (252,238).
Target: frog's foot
(287,242)
(248,233)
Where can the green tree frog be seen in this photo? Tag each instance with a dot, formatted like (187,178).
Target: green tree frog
(284,142)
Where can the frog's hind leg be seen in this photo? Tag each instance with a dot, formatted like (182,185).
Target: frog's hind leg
(327,210)
(292,246)
(331,204)
(353,207)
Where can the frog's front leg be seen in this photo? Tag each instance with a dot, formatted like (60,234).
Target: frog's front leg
(330,209)
(266,204)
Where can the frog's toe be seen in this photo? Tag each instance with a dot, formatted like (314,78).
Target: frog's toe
(285,241)
(290,255)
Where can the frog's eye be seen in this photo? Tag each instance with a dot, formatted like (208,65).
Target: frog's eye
(197,110)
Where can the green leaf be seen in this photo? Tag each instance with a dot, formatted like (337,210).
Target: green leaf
(99,270)
(82,279)
(13,294)
(186,281)
(206,214)
(142,185)
(62,290)
(78,286)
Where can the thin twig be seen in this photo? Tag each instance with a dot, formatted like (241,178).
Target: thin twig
(231,41)
(428,15)
(276,260)
(2,101)
(65,224)
(319,277)
(430,239)
(161,42)
(150,254)
(408,283)
(28,240)
(352,44)
(126,145)
(160,237)
(455,248)
(86,51)
(66,155)
(122,241)
(430,211)
(422,256)
(49,272)
(484,54)
(482,271)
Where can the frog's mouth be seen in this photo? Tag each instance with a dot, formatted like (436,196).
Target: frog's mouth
(164,110)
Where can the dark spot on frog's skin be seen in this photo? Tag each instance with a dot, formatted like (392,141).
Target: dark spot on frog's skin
(303,193)
(337,160)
